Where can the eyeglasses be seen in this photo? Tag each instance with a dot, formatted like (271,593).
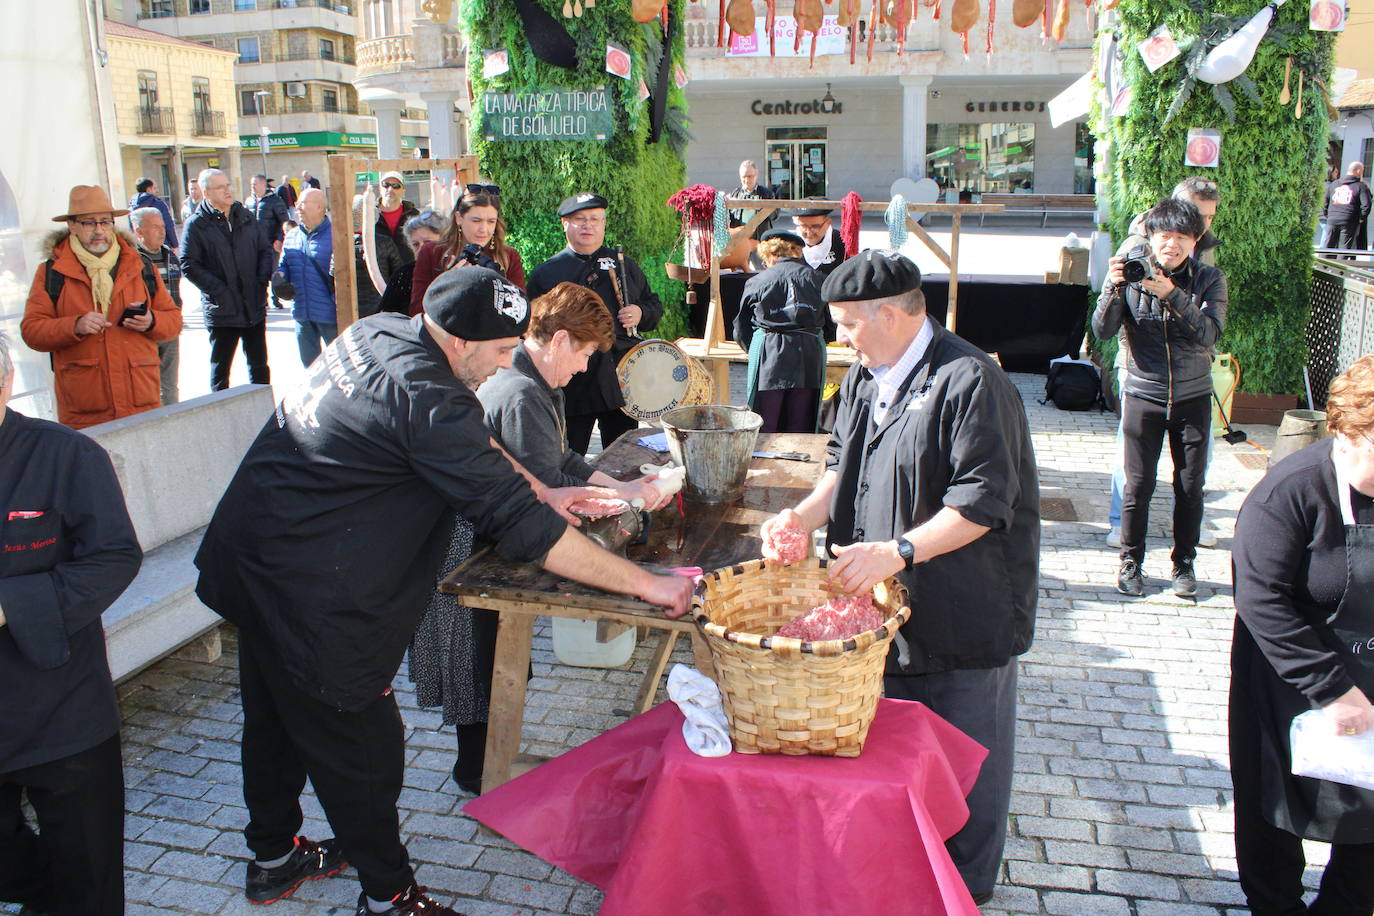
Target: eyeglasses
(586,220)
(89,224)
(395,186)
(489,189)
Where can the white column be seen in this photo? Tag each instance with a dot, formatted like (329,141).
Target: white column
(388,112)
(915,91)
(443,131)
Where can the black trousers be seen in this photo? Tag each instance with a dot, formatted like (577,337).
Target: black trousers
(1271,863)
(787,410)
(1343,235)
(74,865)
(223,343)
(1145,425)
(355,761)
(980,702)
(614,424)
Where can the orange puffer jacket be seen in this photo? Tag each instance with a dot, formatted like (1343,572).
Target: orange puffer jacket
(103,376)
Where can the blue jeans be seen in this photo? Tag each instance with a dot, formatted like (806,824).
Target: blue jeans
(1119,464)
(312,337)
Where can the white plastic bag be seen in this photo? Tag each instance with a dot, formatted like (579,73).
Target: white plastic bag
(1320,753)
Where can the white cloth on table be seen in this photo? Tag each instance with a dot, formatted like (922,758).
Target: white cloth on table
(706,730)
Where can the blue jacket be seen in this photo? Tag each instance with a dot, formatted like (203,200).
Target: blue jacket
(152,200)
(314,295)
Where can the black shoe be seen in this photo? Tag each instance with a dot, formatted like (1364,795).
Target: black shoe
(412,901)
(469,782)
(1185,582)
(1131,579)
(980,899)
(308,861)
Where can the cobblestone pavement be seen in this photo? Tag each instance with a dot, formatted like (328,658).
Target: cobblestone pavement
(1121,801)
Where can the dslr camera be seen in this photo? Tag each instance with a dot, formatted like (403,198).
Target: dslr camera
(1139,264)
(472,253)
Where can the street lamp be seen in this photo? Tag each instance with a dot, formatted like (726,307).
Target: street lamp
(827,101)
(262,128)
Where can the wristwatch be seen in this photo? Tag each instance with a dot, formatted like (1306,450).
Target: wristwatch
(907,551)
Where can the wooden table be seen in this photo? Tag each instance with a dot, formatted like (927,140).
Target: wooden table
(704,535)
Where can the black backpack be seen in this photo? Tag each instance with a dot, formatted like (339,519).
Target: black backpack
(1073,386)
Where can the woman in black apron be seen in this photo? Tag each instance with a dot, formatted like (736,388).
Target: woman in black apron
(1303,562)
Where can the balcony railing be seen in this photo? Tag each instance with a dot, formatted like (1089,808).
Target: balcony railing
(394,53)
(155,120)
(206,123)
(344,8)
(701,36)
(302,106)
(309,55)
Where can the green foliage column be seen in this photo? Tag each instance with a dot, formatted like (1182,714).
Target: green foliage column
(1271,172)
(636,176)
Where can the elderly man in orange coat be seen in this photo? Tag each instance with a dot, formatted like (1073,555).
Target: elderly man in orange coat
(100,310)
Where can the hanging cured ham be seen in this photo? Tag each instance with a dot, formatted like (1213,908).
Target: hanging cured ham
(962,17)
(1025,12)
(645,10)
(1061,21)
(740,16)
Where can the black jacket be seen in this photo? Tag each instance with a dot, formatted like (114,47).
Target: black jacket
(230,268)
(785,304)
(389,262)
(956,435)
(1347,201)
(1171,341)
(270,211)
(398,237)
(67,551)
(328,539)
(597,389)
(834,258)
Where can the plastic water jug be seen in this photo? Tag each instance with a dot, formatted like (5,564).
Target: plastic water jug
(1225,378)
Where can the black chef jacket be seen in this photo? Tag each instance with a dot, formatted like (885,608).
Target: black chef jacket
(67,551)
(596,390)
(835,258)
(329,538)
(784,303)
(956,435)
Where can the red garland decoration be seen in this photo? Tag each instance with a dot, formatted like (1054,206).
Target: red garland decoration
(850,218)
(697,204)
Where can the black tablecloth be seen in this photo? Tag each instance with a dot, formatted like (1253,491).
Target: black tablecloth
(1026,323)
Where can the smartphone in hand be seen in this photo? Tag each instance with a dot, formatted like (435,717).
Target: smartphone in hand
(138,308)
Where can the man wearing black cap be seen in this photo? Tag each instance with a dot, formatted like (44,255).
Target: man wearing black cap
(824,249)
(594,396)
(323,551)
(930,465)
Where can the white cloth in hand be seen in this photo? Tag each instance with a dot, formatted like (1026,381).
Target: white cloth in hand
(706,730)
(1320,753)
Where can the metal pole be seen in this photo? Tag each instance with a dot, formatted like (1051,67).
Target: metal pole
(262,130)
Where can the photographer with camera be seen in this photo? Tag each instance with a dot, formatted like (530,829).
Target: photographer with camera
(1172,309)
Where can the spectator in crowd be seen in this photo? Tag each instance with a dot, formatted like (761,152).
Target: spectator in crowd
(193,199)
(305,271)
(427,226)
(393,445)
(393,210)
(388,263)
(1304,584)
(931,477)
(67,551)
(308,180)
(1172,313)
(476,235)
(148,232)
(100,311)
(146,196)
(270,211)
(1203,194)
(229,259)
(1346,209)
(749,187)
(287,192)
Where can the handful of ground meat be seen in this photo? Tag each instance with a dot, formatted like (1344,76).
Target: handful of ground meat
(594,507)
(786,545)
(838,618)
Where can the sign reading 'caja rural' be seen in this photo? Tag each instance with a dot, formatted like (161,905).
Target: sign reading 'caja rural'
(572,114)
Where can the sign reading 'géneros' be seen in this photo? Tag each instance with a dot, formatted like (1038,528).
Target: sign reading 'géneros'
(560,114)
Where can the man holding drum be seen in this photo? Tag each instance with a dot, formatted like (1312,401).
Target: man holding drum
(930,464)
(594,396)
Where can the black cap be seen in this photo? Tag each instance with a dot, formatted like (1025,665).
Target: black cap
(783,235)
(583,201)
(873,274)
(814,211)
(475,303)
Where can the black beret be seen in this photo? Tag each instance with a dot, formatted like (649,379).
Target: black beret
(813,211)
(783,235)
(583,201)
(475,303)
(877,273)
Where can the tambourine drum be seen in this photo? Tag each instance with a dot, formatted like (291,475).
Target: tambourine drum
(656,376)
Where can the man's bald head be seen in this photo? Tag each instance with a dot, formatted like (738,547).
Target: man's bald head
(311,207)
(1356,169)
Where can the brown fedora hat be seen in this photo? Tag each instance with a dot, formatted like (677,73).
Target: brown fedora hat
(88,200)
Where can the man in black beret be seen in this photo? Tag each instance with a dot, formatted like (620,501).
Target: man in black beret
(325,548)
(594,396)
(930,464)
(824,249)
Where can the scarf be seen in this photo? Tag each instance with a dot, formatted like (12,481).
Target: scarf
(99,268)
(817,254)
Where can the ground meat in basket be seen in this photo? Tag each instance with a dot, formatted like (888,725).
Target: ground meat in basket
(838,618)
(786,545)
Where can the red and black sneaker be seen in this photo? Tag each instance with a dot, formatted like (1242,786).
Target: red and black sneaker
(308,861)
(412,900)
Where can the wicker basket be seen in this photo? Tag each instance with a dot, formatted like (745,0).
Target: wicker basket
(785,696)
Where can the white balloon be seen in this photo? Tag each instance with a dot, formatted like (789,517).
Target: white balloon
(1229,59)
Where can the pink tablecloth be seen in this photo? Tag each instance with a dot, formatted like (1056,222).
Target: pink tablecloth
(665,832)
